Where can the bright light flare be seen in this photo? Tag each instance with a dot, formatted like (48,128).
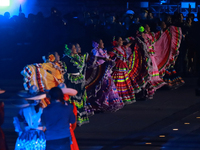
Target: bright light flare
(175,129)
(186,123)
(148,143)
(4,2)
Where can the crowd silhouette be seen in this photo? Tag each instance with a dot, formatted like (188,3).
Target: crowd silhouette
(26,39)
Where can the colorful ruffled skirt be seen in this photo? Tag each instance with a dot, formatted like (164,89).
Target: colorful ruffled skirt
(104,95)
(138,70)
(124,87)
(172,79)
(155,79)
(31,139)
(80,100)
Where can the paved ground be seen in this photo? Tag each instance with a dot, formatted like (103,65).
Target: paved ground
(168,122)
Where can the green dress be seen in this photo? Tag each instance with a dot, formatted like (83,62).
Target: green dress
(75,78)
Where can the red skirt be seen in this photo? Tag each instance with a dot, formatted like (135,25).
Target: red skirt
(138,70)
(124,87)
(74,145)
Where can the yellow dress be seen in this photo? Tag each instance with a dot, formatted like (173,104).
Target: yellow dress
(45,76)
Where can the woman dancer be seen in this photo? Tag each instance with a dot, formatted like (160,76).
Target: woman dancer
(44,75)
(120,72)
(28,122)
(138,63)
(166,46)
(149,40)
(75,79)
(103,96)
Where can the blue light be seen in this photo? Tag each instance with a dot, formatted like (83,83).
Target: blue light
(186,4)
(4,2)
(163,1)
(144,4)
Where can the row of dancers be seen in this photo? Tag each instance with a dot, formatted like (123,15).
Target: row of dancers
(106,81)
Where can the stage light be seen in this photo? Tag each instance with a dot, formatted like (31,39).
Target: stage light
(163,2)
(175,129)
(186,123)
(144,4)
(4,2)
(186,4)
(161,136)
(148,143)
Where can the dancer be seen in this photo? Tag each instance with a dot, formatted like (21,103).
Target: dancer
(120,72)
(103,96)
(56,119)
(166,49)
(84,59)
(2,135)
(138,63)
(44,75)
(149,40)
(75,79)
(78,48)
(28,121)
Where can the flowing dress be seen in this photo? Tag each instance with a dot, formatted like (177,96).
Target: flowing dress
(155,79)
(44,75)
(120,75)
(32,137)
(166,52)
(138,61)
(103,96)
(74,78)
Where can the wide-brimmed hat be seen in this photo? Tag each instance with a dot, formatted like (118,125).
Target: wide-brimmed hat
(68,91)
(19,101)
(32,94)
(2,91)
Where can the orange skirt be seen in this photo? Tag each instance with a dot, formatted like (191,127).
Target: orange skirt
(74,145)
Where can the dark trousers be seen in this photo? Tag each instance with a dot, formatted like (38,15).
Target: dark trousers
(59,144)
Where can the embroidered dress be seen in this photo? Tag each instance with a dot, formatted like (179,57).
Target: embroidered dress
(166,52)
(138,65)
(155,80)
(172,79)
(120,75)
(32,138)
(76,80)
(44,75)
(104,95)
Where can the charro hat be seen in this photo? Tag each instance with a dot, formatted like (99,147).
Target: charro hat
(32,94)
(2,91)
(68,91)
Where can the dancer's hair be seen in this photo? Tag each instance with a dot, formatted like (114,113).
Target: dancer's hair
(97,40)
(71,44)
(56,94)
